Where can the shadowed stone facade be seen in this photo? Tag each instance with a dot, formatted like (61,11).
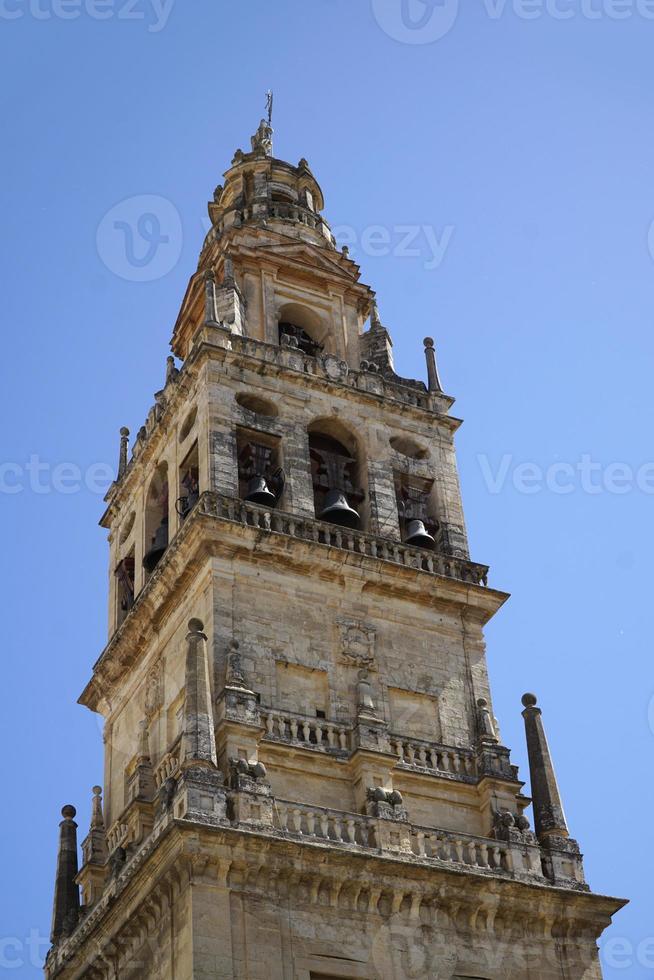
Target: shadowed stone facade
(304,777)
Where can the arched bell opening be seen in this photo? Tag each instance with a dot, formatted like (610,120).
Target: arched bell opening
(124,586)
(189,484)
(301,328)
(415,510)
(156,519)
(336,475)
(260,474)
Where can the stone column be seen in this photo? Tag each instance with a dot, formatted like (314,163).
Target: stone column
(65,911)
(198,740)
(549,819)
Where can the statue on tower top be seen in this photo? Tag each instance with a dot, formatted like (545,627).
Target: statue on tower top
(262,139)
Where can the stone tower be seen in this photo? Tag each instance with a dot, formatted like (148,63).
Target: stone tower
(303,776)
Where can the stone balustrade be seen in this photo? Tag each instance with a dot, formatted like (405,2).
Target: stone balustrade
(117,835)
(341,827)
(440,759)
(307,529)
(312,733)
(327,366)
(318,823)
(168,765)
(281,210)
(475,852)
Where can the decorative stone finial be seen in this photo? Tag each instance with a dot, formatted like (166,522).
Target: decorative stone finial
(366,701)
(122,455)
(144,741)
(171,370)
(228,270)
(433,379)
(198,740)
(210,310)
(97,817)
(65,911)
(485,722)
(375,320)
(345,251)
(549,818)
(235,674)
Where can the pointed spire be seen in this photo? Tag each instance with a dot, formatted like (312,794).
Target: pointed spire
(433,379)
(65,911)
(375,320)
(198,739)
(94,845)
(549,818)
(122,455)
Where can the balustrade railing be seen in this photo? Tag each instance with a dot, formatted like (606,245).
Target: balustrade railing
(435,758)
(116,835)
(319,823)
(232,509)
(342,827)
(314,733)
(409,393)
(474,852)
(168,765)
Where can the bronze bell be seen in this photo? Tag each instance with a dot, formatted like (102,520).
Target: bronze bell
(185,504)
(259,492)
(159,544)
(418,535)
(338,511)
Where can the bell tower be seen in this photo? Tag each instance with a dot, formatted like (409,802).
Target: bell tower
(304,778)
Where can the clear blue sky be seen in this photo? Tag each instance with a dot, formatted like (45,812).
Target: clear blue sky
(526,148)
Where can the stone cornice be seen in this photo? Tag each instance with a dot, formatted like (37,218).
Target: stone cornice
(210,531)
(179,853)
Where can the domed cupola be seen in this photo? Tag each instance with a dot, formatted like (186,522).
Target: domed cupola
(264,191)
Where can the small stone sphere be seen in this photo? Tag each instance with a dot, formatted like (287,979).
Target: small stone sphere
(428,342)
(97,790)
(196,625)
(482,703)
(529,700)
(68,812)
